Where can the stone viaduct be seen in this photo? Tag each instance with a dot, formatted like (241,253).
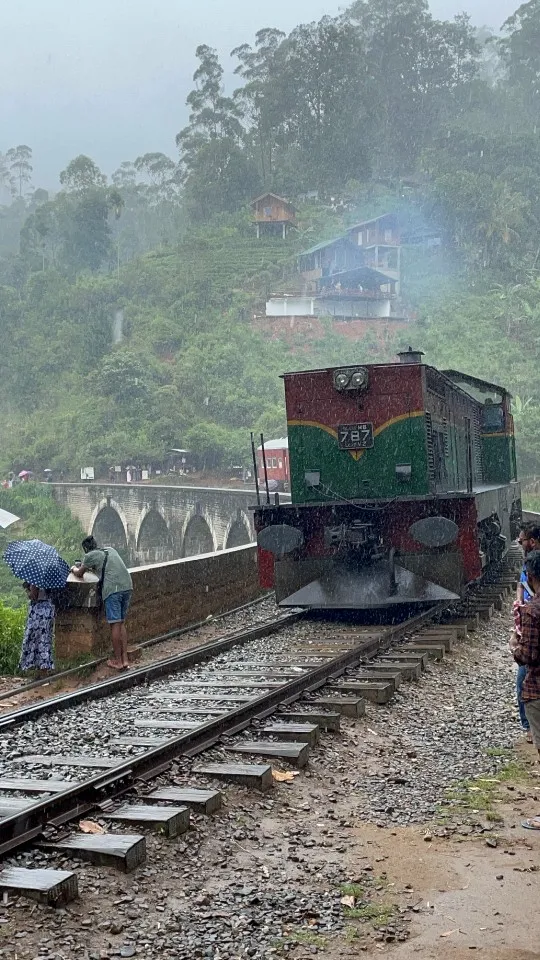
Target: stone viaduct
(153,524)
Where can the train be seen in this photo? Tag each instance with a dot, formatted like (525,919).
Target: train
(403,484)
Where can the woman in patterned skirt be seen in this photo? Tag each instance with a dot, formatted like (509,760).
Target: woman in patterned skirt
(37,647)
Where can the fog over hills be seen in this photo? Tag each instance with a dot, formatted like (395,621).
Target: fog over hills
(109,79)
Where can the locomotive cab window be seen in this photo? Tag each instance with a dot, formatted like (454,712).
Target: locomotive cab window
(492,416)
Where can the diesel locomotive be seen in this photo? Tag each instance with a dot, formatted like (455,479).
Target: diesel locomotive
(403,487)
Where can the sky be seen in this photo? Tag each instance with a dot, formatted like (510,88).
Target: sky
(109,78)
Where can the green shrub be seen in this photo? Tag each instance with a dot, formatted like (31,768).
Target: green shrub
(41,518)
(11,633)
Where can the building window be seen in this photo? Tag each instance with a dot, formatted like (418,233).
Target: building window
(360,238)
(280,464)
(267,211)
(388,236)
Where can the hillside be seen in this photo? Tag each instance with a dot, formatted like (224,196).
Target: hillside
(192,370)
(127,303)
(189,370)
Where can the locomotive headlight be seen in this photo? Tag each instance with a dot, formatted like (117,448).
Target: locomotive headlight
(359,378)
(341,381)
(351,378)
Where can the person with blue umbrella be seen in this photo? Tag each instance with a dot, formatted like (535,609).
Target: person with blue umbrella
(42,569)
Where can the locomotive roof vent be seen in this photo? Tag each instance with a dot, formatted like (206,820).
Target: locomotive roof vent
(411,356)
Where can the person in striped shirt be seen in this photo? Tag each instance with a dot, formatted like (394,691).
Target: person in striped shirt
(529,540)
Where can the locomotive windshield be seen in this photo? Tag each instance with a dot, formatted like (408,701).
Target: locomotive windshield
(492,416)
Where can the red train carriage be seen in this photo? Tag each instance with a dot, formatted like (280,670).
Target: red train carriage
(403,486)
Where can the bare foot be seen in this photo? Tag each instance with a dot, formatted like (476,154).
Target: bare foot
(115,664)
(126,664)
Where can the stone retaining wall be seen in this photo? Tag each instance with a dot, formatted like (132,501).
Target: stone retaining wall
(166,596)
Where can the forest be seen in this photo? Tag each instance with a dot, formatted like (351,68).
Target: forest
(126,302)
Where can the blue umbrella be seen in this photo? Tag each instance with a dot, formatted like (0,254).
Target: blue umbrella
(38,563)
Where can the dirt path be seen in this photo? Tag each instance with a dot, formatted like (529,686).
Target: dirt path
(470,897)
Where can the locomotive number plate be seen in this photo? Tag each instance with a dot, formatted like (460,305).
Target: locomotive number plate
(355,436)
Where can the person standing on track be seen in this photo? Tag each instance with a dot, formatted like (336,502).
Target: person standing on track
(529,540)
(116,591)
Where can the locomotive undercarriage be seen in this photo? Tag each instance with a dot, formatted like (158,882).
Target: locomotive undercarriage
(389,556)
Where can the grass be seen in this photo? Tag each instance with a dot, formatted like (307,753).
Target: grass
(305,936)
(11,633)
(378,914)
(483,793)
(352,890)
(43,518)
(493,817)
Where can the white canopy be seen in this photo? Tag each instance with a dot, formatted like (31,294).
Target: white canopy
(7,518)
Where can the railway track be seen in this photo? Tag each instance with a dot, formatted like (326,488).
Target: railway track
(97,750)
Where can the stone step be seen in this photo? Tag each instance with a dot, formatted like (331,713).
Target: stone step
(459,630)
(168,724)
(258,775)
(175,711)
(484,610)
(294,752)
(171,821)
(296,665)
(346,706)
(202,801)
(436,636)
(488,597)
(51,887)
(149,742)
(434,650)
(192,711)
(369,672)
(325,721)
(216,697)
(404,658)
(121,850)
(409,671)
(275,674)
(10,806)
(25,785)
(71,760)
(503,590)
(305,732)
(471,621)
(222,684)
(376,691)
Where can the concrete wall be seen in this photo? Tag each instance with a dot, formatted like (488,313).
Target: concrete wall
(152,524)
(166,596)
(370,308)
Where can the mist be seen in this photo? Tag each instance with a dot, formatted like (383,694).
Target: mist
(110,80)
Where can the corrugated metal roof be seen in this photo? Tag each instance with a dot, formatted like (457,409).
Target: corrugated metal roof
(282,444)
(364,223)
(274,196)
(321,246)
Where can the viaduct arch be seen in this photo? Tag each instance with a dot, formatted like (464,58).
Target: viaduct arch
(150,524)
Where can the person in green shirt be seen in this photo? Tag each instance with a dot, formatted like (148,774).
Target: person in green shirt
(116,591)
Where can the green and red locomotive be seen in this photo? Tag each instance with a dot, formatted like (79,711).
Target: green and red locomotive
(403,486)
